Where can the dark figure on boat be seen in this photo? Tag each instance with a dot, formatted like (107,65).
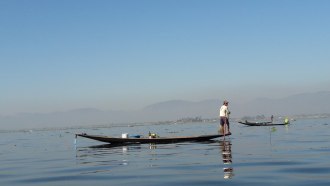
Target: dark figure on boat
(272,118)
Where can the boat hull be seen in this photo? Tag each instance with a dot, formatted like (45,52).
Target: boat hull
(114,140)
(261,123)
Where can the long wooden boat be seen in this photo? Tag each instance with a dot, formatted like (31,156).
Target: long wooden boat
(115,140)
(261,123)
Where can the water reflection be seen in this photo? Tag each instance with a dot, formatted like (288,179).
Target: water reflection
(225,146)
(114,152)
(125,147)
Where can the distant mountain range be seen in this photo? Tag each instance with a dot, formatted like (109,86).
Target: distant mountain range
(307,103)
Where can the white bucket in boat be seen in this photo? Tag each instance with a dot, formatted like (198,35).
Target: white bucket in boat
(124,135)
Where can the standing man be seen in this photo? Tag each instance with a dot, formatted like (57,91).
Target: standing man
(272,118)
(224,118)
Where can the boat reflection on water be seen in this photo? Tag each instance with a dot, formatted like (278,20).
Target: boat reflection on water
(225,146)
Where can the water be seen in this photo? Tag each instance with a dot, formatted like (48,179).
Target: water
(298,154)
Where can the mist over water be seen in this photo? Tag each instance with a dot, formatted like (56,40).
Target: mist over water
(298,154)
(295,105)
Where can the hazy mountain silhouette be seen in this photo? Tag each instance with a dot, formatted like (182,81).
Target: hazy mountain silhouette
(307,103)
(176,109)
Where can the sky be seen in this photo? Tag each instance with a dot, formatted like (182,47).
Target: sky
(57,55)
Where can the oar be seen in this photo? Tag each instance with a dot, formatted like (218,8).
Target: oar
(225,128)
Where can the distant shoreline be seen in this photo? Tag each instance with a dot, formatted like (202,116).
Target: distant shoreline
(169,122)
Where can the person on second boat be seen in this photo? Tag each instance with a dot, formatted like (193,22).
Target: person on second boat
(272,118)
(224,118)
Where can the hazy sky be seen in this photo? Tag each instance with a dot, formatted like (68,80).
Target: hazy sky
(57,55)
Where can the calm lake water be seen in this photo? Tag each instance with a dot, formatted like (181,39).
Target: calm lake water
(298,154)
